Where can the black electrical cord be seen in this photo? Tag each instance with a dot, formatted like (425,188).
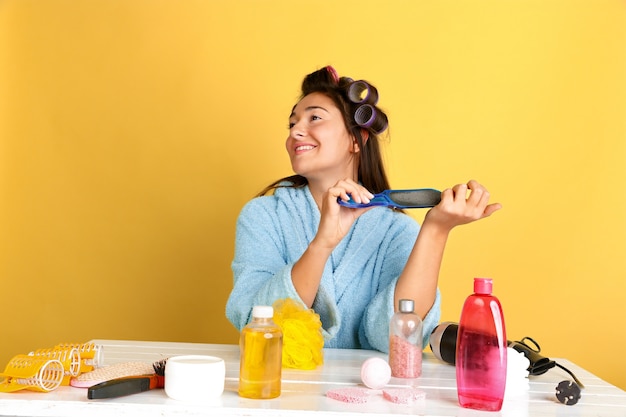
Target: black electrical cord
(580,384)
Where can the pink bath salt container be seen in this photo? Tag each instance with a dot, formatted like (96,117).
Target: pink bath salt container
(375,373)
(405,342)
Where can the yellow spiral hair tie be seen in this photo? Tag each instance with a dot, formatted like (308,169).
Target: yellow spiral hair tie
(302,334)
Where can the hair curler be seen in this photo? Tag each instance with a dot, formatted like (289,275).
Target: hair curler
(333,73)
(366,116)
(68,356)
(362,92)
(90,354)
(32,373)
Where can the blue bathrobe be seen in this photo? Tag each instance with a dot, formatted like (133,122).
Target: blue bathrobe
(355,299)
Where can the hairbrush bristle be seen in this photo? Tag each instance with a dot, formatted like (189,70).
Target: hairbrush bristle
(159,367)
(416,198)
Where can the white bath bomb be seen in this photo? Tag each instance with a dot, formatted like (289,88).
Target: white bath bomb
(375,373)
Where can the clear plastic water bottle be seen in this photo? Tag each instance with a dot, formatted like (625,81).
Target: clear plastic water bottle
(481,353)
(405,342)
(261,348)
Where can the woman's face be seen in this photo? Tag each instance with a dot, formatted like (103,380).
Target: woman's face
(319,145)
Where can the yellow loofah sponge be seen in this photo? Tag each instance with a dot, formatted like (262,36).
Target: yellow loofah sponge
(302,334)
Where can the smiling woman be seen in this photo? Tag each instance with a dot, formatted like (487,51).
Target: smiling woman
(350,265)
(319,144)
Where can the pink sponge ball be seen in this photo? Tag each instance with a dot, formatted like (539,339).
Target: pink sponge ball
(375,373)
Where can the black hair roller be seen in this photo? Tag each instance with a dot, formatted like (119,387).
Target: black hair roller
(362,92)
(367,117)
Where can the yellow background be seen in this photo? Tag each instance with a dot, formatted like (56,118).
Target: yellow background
(133,131)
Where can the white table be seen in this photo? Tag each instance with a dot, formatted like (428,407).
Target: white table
(303,392)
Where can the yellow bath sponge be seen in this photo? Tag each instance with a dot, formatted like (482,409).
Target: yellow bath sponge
(302,334)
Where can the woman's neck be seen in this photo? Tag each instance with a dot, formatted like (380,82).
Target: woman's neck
(318,189)
(320,184)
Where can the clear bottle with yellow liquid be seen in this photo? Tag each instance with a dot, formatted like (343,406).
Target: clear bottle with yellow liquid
(261,350)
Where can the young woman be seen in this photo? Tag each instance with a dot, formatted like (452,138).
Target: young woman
(351,266)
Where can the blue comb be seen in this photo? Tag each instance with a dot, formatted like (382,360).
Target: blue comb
(401,199)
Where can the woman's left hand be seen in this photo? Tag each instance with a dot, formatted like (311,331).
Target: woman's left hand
(461,204)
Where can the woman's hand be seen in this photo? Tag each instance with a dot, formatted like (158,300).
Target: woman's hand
(461,204)
(336,220)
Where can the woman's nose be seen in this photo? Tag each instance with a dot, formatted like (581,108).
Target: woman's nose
(298,131)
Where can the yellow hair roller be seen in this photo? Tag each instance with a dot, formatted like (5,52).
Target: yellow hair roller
(32,373)
(69,358)
(90,354)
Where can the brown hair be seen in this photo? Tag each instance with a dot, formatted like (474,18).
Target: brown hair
(371,170)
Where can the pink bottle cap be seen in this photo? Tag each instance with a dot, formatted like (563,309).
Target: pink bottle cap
(483,285)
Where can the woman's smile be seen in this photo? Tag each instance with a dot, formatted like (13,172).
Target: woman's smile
(304,148)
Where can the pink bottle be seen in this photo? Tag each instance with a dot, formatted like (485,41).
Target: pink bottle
(481,350)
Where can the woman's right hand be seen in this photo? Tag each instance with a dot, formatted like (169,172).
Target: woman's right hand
(336,220)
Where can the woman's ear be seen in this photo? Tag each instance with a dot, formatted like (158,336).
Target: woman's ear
(355,145)
(364,137)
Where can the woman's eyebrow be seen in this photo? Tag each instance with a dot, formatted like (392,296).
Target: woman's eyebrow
(315,107)
(309,108)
